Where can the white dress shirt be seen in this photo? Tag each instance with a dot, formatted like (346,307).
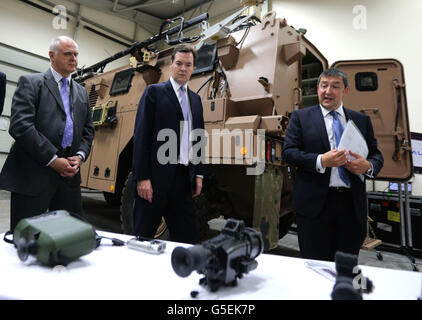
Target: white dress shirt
(57,76)
(176,87)
(335,180)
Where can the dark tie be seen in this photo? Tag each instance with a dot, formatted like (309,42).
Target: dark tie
(338,131)
(68,130)
(184,149)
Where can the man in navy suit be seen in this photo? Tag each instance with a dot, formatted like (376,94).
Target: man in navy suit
(329,194)
(166,181)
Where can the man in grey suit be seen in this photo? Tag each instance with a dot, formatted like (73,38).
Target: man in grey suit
(52,127)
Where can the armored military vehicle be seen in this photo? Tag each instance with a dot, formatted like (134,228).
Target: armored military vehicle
(251,75)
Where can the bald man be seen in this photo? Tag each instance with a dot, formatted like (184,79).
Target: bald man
(53,132)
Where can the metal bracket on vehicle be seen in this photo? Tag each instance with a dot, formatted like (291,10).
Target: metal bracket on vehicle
(104,114)
(400,144)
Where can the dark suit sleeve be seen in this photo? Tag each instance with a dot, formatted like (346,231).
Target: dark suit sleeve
(294,151)
(2,91)
(143,134)
(22,123)
(199,167)
(88,127)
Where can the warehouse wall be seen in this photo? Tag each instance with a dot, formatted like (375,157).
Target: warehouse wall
(26,35)
(32,30)
(366,29)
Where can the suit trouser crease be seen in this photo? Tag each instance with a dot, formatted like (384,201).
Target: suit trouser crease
(175,205)
(336,228)
(59,195)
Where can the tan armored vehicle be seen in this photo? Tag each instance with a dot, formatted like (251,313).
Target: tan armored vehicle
(250,75)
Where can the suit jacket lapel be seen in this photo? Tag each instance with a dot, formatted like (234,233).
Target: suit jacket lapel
(347,115)
(73,97)
(54,89)
(320,124)
(190,97)
(174,101)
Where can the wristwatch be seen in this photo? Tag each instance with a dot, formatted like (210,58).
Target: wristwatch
(369,171)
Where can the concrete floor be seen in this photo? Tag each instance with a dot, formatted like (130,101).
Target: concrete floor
(107,218)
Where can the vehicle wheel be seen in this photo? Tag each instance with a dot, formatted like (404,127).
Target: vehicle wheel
(126,212)
(112,199)
(211,203)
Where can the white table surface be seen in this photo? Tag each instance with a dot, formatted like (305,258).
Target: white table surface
(112,272)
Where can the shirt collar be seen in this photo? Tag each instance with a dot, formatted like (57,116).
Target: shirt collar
(176,86)
(57,76)
(340,111)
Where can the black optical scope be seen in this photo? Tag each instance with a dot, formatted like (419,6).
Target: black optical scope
(222,259)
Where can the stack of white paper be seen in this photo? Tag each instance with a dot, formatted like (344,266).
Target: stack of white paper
(353,140)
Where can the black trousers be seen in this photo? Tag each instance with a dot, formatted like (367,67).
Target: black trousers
(176,206)
(58,196)
(335,229)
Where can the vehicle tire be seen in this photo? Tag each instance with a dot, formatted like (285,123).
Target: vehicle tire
(285,224)
(211,203)
(112,199)
(126,212)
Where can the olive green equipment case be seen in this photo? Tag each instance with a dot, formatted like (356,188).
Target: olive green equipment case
(55,238)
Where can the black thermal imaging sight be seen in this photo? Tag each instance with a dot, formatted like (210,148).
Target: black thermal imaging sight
(222,259)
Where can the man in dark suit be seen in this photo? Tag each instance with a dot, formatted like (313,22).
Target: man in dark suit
(2,91)
(166,174)
(329,194)
(51,124)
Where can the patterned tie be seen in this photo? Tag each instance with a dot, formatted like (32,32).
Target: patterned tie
(68,130)
(338,131)
(184,147)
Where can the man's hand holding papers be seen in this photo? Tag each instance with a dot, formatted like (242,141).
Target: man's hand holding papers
(353,141)
(359,165)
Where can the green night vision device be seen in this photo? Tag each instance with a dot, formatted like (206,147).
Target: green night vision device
(56,238)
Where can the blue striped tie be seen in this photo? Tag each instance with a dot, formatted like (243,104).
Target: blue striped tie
(338,131)
(68,129)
